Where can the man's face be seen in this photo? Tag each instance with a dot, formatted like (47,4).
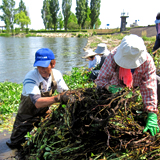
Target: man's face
(91,58)
(45,71)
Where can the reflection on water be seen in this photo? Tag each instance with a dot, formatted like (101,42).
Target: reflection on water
(17,55)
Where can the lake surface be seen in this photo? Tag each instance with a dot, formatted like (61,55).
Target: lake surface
(17,55)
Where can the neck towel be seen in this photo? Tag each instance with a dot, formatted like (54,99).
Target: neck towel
(126,76)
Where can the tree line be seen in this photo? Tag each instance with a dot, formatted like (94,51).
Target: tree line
(85,17)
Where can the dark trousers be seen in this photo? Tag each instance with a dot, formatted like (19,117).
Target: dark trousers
(20,129)
(157,43)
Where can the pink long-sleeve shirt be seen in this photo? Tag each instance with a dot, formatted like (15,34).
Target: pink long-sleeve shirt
(144,76)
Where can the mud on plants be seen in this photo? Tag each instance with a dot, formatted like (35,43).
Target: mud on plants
(96,125)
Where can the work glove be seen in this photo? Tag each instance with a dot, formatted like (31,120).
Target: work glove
(114,89)
(65,97)
(152,124)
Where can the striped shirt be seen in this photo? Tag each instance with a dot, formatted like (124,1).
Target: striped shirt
(144,76)
(33,79)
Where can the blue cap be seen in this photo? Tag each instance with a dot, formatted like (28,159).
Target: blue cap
(43,57)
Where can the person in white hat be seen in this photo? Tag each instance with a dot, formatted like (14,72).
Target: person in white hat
(94,59)
(102,51)
(130,65)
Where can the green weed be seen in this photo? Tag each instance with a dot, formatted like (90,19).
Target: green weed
(78,79)
(9,97)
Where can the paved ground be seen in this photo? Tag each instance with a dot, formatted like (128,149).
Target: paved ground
(150,31)
(5,152)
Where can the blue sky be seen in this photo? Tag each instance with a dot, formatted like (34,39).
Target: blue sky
(142,10)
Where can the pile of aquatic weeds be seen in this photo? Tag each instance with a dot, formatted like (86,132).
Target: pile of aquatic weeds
(97,125)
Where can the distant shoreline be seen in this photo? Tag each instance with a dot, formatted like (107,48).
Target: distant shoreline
(52,35)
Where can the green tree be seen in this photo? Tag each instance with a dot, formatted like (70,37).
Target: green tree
(86,14)
(46,15)
(72,22)
(95,11)
(22,7)
(66,7)
(72,18)
(54,8)
(72,25)
(60,22)
(87,23)
(7,8)
(21,19)
(81,11)
(98,23)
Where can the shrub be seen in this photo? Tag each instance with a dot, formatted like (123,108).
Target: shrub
(17,30)
(80,35)
(27,30)
(94,33)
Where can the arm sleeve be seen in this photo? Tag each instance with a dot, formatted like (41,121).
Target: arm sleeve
(90,64)
(61,85)
(148,87)
(34,97)
(31,86)
(106,72)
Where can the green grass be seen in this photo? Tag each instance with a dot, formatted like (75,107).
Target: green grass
(9,97)
(31,35)
(78,79)
(5,35)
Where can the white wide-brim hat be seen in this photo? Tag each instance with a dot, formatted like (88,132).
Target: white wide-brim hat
(131,53)
(102,49)
(89,53)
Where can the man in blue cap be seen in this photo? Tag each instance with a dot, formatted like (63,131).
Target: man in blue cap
(38,87)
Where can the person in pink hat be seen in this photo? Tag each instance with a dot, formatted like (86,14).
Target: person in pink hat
(130,65)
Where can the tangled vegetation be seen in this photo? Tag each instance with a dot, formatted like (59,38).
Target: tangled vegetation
(98,125)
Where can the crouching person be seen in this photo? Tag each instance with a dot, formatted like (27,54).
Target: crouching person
(38,87)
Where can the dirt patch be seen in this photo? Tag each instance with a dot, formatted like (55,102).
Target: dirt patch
(93,41)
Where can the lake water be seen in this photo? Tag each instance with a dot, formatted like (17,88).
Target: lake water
(17,55)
